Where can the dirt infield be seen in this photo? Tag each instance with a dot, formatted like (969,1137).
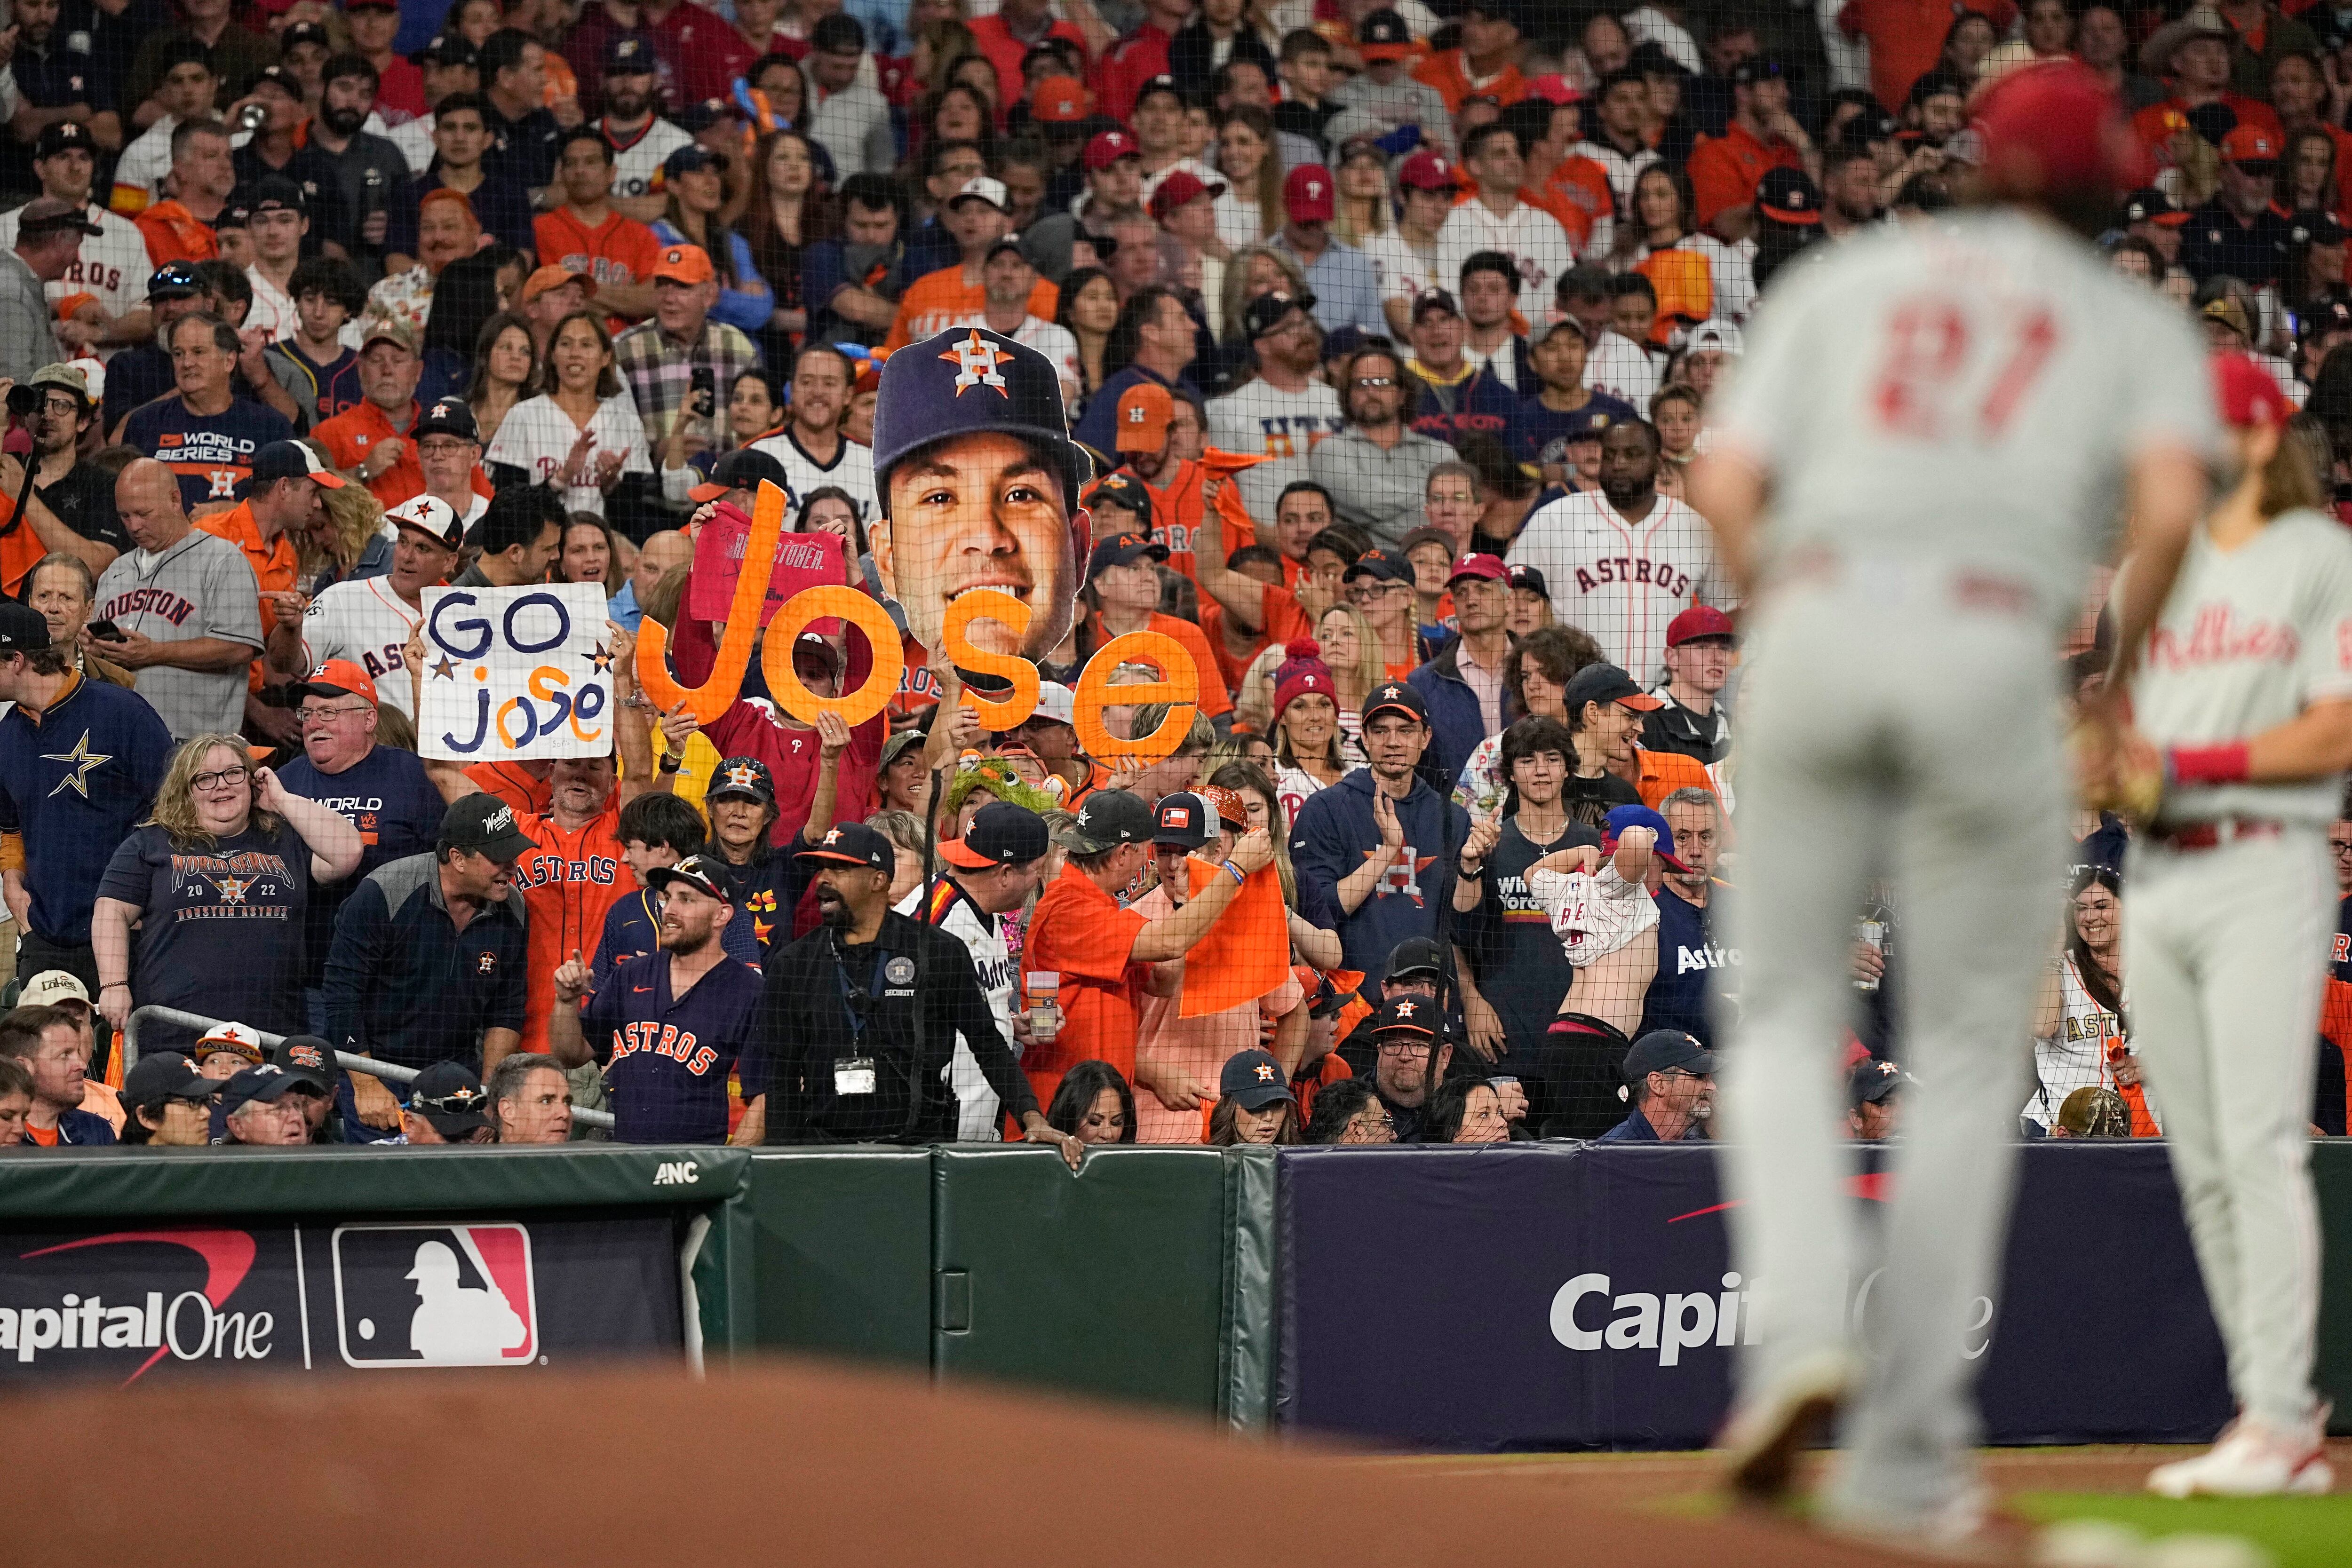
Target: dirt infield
(786,1463)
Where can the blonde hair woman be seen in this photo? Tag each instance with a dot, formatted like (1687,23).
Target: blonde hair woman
(1252,271)
(1362,178)
(1352,649)
(354,521)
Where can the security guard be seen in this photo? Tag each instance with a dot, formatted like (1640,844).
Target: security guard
(858,1018)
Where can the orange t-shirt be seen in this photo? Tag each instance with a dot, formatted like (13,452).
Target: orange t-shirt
(568,883)
(275,565)
(1724,170)
(618,250)
(1080,933)
(1577,192)
(937,300)
(1449,73)
(173,232)
(47,1137)
(530,796)
(1285,622)
(350,434)
(1214,698)
(1176,512)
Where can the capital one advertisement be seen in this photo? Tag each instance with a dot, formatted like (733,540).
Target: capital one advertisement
(1552,1296)
(144,1302)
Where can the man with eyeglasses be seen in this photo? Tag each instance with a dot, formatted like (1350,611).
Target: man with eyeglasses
(1669,1082)
(1406,1031)
(74,503)
(1376,468)
(382,790)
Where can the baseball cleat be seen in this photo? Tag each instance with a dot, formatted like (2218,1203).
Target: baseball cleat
(1764,1435)
(2251,1460)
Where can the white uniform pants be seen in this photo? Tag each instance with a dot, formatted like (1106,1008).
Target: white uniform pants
(2224,953)
(1889,732)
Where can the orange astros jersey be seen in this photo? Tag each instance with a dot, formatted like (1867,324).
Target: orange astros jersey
(568,883)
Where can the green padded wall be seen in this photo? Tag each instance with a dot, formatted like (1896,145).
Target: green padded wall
(842,1246)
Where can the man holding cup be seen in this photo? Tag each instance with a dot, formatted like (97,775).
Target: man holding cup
(990,872)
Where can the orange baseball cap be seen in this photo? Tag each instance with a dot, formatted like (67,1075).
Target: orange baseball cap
(338,678)
(1144,410)
(2246,143)
(687,264)
(554,276)
(1058,100)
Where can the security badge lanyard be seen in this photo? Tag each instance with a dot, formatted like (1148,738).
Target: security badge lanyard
(854,1073)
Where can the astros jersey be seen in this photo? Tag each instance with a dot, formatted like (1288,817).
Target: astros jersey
(110,267)
(2247,641)
(1622,581)
(979,1114)
(618,250)
(666,1059)
(1967,393)
(365,621)
(567,883)
(852,469)
(212,453)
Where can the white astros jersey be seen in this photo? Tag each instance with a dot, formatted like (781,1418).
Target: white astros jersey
(112,264)
(852,469)
(1622,582)
(362,619)
(2248,639)
(1968,394)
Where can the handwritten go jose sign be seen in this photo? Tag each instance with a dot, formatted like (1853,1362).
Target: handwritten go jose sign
(516,674)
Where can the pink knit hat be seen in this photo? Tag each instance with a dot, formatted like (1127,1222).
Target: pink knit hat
(1302,671)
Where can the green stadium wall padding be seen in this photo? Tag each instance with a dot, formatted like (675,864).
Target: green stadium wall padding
(841,1240)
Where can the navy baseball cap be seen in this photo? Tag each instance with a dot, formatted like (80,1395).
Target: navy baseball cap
(1871,1081)
(1414,1015)
(1395,696)
(449,417)
(1122,550)
(449,1097)
(1182,819)
(630,55)
(173,280)
(1000,833)
(1379,565)
(1415,955)
(1663,1050)
(23,629)
(1254,1079)
(853,843)
(449,49)
(266,1083)
(1124,491)
(692,870)
(1529,578)
(1605,683)
(273,193)
(308,1056)
(742,778)
(969,380)
(165,1075)
(1621,818)
(742,470)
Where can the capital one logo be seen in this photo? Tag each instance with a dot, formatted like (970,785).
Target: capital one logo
(435,1295)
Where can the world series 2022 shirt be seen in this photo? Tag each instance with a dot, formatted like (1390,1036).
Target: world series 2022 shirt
(667,1058)
(220,931)
(211,453)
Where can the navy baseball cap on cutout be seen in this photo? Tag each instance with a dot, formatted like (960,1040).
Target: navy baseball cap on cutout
(1254,1079)
(1000,833)
(969,380)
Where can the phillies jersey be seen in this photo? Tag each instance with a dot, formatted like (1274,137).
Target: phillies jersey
(211,453)
(364,621)
(1538,247)
(852,469)
(1622,581)
(2248,639)
(112,264)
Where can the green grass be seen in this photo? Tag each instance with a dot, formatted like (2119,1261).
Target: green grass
(2298,1533)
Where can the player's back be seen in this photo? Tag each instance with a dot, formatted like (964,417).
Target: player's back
(1968,390)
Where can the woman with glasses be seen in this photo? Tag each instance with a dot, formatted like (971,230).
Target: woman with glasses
(1380,587)
(219,880)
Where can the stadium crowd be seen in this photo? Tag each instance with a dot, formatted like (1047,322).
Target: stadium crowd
(1391,331)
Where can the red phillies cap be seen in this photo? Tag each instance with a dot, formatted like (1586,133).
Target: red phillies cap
(2247,393)
(2055,126)
(1108,148)
(1308,195)
(1699,621)
(1489,566)
(1178,187)
(1427,170)
(2246,143)
(1554,88)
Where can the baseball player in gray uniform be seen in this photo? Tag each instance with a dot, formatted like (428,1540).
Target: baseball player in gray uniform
(1912,470)
(2245,684)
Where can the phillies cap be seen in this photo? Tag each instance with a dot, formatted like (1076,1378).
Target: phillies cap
(1790,196)
(631,54)
(1427,170)
(1394,696)
(1254,1079)
(744,469)
(1605,683)
(1479,564)
(1408,1015)
(1000,833)
(692,870)
(338,678)
(2153,207)
(2055,126)
(1122,550)
(165,1075)
(1378,565)
(23,629)
(1182,819)
(431,516)
(268,1083)
(292,460)
(1664,1050)
(1306,193)
(854,844)
(1145,411)
(1621,818)
(1268,311)
(237,1039)
(1058,100)
(1108,148)
(485,825)
(2247,393)
(1699,622)
(65,136)
(742,778)
(1178,187)
(1106,819)
(451,1099)
(967,380)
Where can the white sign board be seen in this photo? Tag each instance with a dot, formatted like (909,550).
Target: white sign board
(516,674)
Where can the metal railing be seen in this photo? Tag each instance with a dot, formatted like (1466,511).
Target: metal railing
(350,1063)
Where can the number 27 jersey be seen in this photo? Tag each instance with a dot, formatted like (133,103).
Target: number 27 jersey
(1968,391)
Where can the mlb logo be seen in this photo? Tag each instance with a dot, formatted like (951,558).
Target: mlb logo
(435,1295)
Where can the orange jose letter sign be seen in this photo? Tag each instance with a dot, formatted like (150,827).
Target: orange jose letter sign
(881,683)
(715,696)
(1180,689)
(992,604)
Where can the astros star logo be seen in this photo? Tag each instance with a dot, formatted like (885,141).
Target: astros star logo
(81,759)
(1405,1009)
(979,360)
(233,888)
(1264,1073)
(741,777)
